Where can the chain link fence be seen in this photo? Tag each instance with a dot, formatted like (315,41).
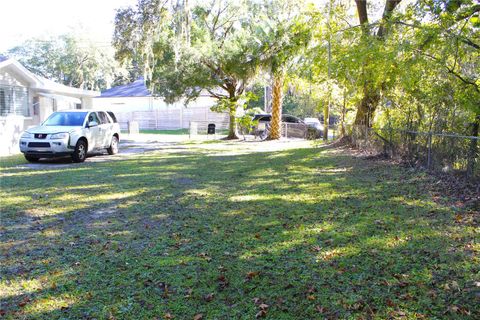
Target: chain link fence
(433,151)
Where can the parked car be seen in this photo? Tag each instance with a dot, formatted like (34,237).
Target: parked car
(294,127)
(71,133)
(317,127)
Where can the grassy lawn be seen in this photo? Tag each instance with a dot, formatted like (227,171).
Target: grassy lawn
(218,231)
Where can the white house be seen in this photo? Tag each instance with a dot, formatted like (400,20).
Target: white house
(27,99)
(134,102)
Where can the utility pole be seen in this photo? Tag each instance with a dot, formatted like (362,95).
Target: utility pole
(326,108)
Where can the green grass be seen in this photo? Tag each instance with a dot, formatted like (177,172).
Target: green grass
(9,161)
(230,234)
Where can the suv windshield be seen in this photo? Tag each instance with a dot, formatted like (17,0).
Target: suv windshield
(66,119)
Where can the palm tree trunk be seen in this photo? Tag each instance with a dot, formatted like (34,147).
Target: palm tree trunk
(277,99)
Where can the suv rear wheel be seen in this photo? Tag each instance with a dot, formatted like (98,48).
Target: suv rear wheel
(113,149)
(80,153)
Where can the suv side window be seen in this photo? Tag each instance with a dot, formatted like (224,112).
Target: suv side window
(93,117)
(103,117)
(112,115)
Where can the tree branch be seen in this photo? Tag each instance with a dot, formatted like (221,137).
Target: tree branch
(362,14)
(451,71)
(390,5)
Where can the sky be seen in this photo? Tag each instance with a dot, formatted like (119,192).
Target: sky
(24,19)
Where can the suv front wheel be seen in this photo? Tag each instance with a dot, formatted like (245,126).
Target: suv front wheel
(31,159)
(80,153)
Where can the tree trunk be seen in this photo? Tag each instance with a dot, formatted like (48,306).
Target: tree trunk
(366,107)
(277,99)
(326,119)
(232,127)
(344,111)
(371,94)
(473,150)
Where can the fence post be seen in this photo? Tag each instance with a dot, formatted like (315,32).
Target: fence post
(429,155)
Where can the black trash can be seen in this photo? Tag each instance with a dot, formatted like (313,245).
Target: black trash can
(211,128)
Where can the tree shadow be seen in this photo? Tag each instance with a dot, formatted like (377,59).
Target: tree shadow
(309,234)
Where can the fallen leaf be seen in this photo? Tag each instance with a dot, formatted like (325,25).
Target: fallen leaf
(311,297)
(189,293)
(204,256)
(209,297)
(321,309)
(390,303)
(263,306)
(454,309)
(261,314)
(328,241)
(198,316)
(311,289)
(454,285)
(252,274)
(24,302)
(167,316)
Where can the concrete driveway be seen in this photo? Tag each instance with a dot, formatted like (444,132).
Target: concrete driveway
(131,145)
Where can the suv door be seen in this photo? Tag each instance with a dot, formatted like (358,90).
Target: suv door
(93,132)
(105,129)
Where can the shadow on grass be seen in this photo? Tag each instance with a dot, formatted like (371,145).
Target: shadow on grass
(308,233)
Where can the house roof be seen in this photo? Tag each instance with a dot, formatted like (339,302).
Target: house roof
(134,89)
(42,84)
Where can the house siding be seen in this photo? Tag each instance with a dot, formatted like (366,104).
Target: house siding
(19,89)
(8,78)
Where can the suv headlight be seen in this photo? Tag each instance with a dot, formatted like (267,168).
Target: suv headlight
(62,135)
(26,135)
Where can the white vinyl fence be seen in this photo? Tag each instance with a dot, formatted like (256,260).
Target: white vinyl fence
(170,118)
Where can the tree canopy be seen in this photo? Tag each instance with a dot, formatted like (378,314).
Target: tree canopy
(69,59)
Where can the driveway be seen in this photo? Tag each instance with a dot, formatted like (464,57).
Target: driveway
(131,145)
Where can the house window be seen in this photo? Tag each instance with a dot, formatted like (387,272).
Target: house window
(54,104)
(3,102)
(13,100)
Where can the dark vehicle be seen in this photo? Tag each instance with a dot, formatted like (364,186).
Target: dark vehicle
(292,127)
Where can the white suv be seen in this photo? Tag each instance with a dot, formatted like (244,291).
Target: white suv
(71,132)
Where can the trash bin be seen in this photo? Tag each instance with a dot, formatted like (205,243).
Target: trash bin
(211,128)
